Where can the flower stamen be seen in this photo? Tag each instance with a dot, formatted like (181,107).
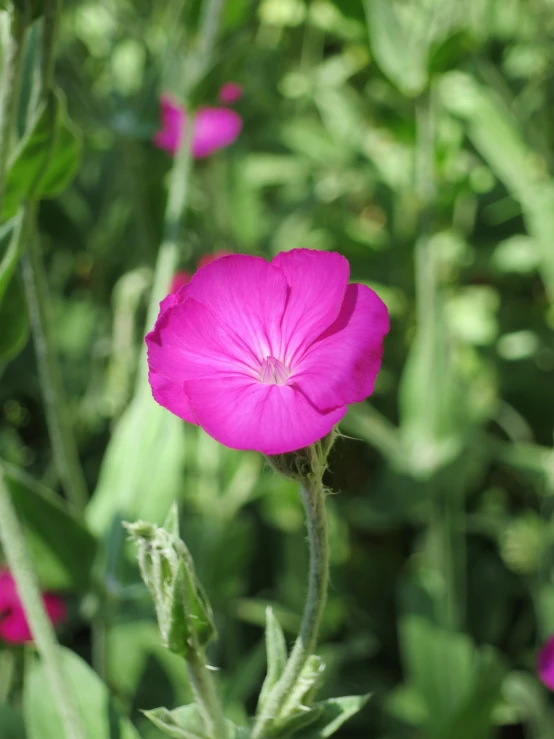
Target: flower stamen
(274,372)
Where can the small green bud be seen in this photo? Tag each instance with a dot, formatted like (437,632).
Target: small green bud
(184,614)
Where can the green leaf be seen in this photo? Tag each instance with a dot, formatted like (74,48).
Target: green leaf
(46,159)
(336,711)
(14,319)
(10,248)
(459,684)
(182,723)
(276,650)
(185,723)
(298,721)
(399,49)
(11,723)
(62,548)
(191,619)
(494,132)
(304,689)
(91,695)
(141,474)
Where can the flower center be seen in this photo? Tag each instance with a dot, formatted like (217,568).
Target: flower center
(274,372)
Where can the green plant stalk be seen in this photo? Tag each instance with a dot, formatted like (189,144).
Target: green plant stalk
(313,498)
(9,92)
(446,551)
(205,695)
(52,11)
(15,551)
(61,437)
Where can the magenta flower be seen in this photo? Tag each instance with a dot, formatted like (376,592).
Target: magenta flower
(266,356)
(214,128)
(209,258)
(14,628)
(545,664)
(230,93)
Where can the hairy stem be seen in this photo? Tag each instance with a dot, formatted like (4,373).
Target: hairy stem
(15,551)
(61,437)
(205,695)
(313,498)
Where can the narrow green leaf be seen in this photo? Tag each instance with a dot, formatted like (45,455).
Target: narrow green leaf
(303,691)
(186,723)
(336,711)
(276,650)
(298,721)
(14,319)
(191,619)
(183,723)
(42,720)
(46,159)
(9,248)
(62,548)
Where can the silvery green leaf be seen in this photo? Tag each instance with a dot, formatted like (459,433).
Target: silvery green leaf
(182,723)
(336,711)
(276,649)
(303,691)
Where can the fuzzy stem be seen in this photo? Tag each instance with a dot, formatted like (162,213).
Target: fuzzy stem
(61,437)
(313,498)
(206,696)
(15,551)
(9,92)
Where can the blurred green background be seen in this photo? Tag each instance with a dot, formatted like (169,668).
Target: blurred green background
(415,137)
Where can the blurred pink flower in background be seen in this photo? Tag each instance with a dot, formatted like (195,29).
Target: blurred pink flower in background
(214,128)
(266,356)
(545,664)
(14,628)
(180,279)
(230,93)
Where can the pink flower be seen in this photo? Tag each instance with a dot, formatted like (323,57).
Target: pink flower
(14,628)
(214,128)
(230,93)
(545,664)
(266,356)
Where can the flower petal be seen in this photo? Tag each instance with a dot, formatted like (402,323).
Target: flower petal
(317,281)
(171,395)
(248,296)
(14,628)
(342,364)
(246,414)
(545,664)
(173,121)
(214,129)
(188,342)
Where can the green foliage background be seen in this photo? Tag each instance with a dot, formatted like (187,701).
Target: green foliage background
(416,138)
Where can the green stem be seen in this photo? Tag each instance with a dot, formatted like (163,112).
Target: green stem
(52,11)
(9,92)
(206,697)
(313,498)
(61,436)
(13,544)
(166,262)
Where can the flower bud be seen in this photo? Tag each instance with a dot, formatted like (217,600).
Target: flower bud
(184,614)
